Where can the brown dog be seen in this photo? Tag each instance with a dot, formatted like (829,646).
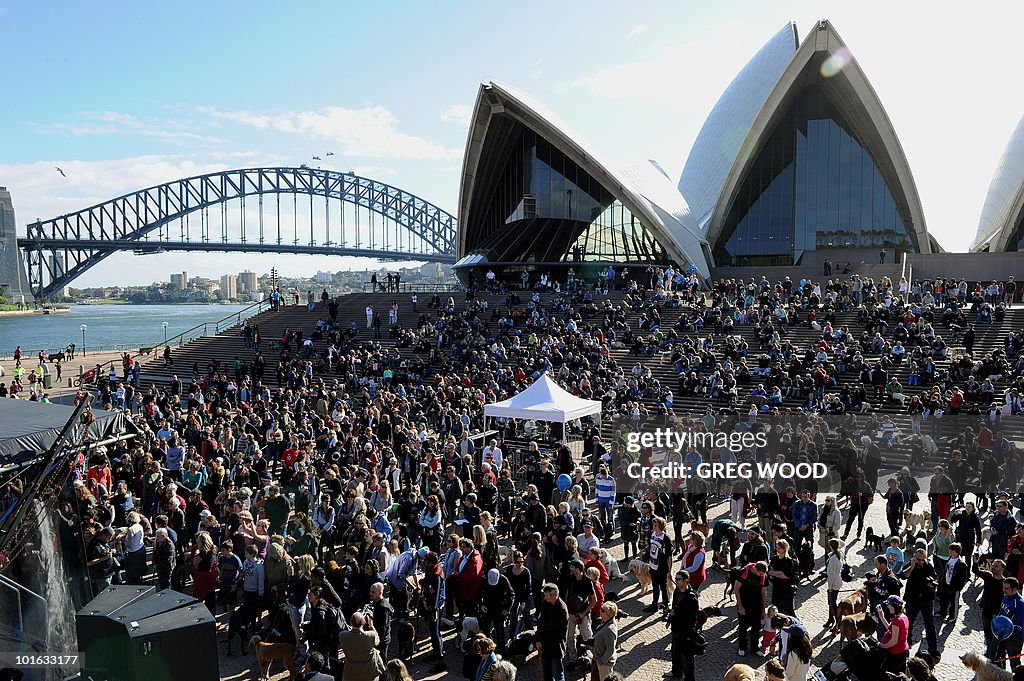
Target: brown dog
(740,672)
(856,602)
(268,653)
(706,613)
(855,626)
(697,526)
(405,632)
(642,572)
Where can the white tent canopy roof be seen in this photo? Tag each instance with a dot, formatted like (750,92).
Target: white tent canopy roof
(545,400)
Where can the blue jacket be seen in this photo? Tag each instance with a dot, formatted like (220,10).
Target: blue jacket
(804,513)
(1013,607)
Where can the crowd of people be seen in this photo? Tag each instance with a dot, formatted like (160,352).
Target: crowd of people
(358,494)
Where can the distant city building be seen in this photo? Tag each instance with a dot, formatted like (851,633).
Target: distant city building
(323,277)
(179,281)
(248,282)
(431,270)
(229,285)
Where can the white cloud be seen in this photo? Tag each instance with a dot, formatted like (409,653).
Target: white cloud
(688,74)
(39,191)
(637,30)
(457,113)
(101,123)
(369,132)
(374,172)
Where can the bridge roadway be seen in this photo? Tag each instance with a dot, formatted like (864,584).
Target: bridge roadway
(155,247)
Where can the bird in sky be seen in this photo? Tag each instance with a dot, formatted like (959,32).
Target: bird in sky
(316,158)
(330,153)
(60,171)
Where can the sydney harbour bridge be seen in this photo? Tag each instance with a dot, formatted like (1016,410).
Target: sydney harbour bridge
(254,210)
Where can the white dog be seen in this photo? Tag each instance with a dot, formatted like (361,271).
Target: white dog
(611,565)
(470,628)
(918,521)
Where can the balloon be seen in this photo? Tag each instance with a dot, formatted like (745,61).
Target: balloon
(1002,627)
(564,482)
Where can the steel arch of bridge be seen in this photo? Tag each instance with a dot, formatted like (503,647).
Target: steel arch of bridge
(62,248)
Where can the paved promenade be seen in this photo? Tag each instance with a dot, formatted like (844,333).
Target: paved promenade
(644,640)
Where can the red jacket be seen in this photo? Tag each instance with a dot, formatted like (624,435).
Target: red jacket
(698,576)
(468,586)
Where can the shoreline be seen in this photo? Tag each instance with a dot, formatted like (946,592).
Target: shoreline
(22,313)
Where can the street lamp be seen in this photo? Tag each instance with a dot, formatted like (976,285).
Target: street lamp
(83,327)
(165,333)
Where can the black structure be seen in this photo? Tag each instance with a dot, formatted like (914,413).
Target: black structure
(129,633)
(544,208)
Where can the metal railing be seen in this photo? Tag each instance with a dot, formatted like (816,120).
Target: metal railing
(202,330)
(411,287)
(30,354)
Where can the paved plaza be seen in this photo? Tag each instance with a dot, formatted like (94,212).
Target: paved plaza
(644,641)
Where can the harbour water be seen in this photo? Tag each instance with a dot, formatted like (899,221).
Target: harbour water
(106,325)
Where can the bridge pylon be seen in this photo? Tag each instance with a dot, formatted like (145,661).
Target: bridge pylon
(14,284)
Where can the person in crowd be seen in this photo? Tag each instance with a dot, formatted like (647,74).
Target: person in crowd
(273,475)
(552,623)
(681,620)
(895,639)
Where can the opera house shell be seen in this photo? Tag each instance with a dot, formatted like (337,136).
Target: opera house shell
(1002,216)
(534,196)
(797,155)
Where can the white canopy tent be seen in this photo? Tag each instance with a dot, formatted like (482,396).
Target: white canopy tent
(545,400)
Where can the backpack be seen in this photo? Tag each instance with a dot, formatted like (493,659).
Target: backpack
(335,619)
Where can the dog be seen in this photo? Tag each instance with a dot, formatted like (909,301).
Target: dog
(854,626)
(642,572)
(854,604)
(239,624)
(697,526)
(470,628)
(805,558)
(145,351)
(918,521)
(611,565)
(268,653)
(706,613)
(732,575)
(521,645)
(875,541)
(983,669)
(405,633)
(740,672)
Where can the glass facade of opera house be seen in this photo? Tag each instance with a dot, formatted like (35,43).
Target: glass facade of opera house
(544,207)
(1016,240)
(812,186)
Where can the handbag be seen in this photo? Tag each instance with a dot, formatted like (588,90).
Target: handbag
(696,644)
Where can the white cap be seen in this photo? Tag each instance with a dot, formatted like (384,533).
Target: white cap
(492,577)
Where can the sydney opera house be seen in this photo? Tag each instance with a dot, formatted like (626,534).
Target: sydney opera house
(797,160)
(1002,217)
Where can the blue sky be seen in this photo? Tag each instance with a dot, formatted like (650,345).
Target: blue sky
(123,95)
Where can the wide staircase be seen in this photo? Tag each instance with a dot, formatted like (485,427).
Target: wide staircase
(229,344)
